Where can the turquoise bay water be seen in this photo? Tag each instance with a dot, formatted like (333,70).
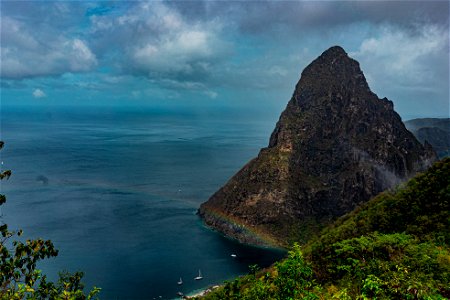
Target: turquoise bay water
(117,191)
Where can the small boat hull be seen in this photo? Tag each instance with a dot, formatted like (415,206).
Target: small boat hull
(199,277)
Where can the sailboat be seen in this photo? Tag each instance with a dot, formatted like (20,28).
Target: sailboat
(180,282)
(199,277)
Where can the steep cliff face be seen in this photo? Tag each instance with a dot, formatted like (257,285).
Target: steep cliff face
(335,146)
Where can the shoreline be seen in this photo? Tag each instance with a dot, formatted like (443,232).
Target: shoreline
(201,292)
(266,246)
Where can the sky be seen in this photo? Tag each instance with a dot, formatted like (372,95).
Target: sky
(245,54)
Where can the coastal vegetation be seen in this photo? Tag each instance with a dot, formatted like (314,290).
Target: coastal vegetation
(396,246)
(19,276)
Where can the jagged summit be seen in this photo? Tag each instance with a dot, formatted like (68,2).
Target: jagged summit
(332,70)
(334,50)
(335,146)
(332,55)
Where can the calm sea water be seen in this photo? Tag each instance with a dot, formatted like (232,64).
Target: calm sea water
(117,190)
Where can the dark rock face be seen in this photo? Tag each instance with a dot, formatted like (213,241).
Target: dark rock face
(335,146)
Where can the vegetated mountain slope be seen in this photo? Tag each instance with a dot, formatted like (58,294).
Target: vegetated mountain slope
(434,131)
(335,146)
(396,246)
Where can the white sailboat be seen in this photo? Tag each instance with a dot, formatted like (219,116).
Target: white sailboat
(180,282)
(199,277)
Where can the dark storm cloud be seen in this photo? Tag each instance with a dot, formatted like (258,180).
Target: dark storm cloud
(403,46)
(403,12)
(42,15)
(262,16)
(176,39)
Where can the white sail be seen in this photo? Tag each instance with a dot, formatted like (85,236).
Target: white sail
(199,277)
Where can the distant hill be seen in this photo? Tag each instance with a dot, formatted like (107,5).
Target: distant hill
(434,131)
(396,246)
(415,124)
(335,146)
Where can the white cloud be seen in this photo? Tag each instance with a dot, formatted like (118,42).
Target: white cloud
(38,93)
(409,68)
(397,56)
(211,94)
(160,43)
(24,53)
(80,57)
(185,51)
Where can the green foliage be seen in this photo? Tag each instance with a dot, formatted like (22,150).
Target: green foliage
(289,279)
(389,266)
(396,246)
(19,278)
(294,276)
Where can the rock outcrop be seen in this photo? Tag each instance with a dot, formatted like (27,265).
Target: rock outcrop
(335,146)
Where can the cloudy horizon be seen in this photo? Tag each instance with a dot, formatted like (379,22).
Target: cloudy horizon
(218,53)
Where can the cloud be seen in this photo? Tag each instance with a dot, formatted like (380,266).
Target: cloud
(203,47)
(409,68)
(38,93)
(156,41)
(185,52)
(211,94)
(397,57)
(187,86)
(28,52)
(291,18)
(278,31)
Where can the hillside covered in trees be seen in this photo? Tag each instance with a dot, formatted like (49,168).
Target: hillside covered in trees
(396,246)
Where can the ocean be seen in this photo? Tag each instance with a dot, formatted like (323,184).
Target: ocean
(117,189)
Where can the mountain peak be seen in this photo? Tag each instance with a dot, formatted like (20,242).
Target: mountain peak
(334,51)
(335,146)
(333,72)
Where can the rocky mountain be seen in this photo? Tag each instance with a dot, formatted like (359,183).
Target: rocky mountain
(335,146)
(435,131)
